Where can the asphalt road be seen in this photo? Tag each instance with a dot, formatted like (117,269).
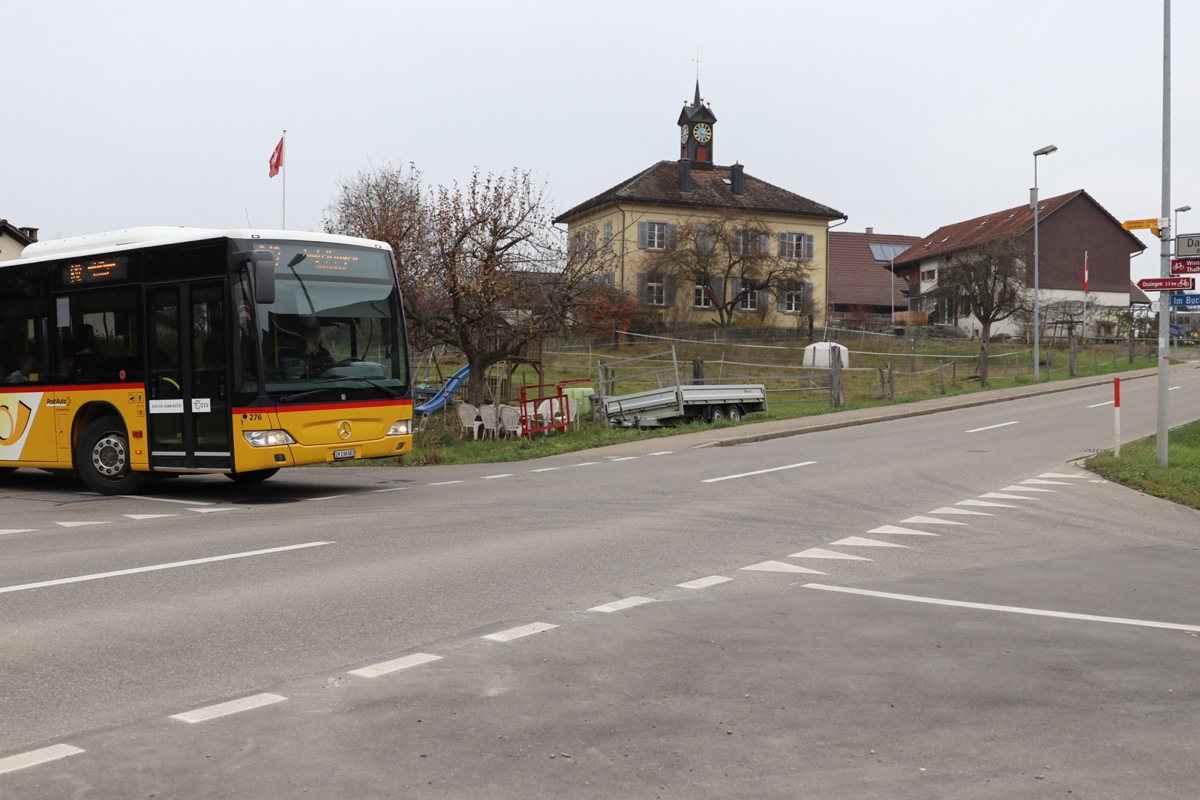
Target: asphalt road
(937,605)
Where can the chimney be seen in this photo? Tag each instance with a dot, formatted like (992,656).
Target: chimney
(31,233)
(870,231)
(685,175)
(737,180)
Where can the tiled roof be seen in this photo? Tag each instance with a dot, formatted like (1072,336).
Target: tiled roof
(15,232)
(710,189)
(1137,296)
(857,277)
(1011,222)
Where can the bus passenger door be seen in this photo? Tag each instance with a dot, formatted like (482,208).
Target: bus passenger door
(186,386)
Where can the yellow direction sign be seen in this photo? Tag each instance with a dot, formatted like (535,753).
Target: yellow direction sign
(1141,224)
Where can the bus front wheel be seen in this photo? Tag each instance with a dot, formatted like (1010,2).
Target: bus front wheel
(257,476)
(102,460)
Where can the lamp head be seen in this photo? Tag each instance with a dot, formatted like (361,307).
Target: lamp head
(1044,151)
(1181,209)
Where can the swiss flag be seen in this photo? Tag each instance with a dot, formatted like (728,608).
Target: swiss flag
(1085,266)
(276,162)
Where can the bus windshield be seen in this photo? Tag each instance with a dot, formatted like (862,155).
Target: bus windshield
(335,331)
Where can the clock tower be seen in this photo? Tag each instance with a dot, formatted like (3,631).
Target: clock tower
(696,132)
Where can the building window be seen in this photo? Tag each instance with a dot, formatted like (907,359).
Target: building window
(749,301)
(701,296)
(748,242)
(796,246)
(791,300)
(656,290)
(706,240)
(656,235)
(608,237)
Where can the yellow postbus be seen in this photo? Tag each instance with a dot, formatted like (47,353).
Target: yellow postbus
(176,350)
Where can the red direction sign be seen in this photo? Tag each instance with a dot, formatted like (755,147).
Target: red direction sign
(1165,284)
(1185,266)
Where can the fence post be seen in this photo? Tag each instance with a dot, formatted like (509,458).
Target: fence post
(697,370)
(891,382)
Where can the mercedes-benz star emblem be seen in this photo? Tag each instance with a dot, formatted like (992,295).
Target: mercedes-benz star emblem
(344,430)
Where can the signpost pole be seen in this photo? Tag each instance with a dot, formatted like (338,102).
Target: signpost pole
(1116,417)
(1164,304)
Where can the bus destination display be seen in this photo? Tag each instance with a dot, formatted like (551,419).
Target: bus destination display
(96,271)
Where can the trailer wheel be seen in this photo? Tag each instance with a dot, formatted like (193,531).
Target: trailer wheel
(716,414)
(735,413)
(102,458)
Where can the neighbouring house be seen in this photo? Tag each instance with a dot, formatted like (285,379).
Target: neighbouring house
(863,290)
(14,239)
(1077,238)
(772,244)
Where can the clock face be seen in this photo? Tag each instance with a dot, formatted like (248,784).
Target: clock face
(702,133)
(683,134)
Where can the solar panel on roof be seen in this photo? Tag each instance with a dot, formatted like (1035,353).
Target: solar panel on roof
(886,252)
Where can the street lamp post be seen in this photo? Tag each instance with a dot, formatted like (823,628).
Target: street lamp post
(1033,205)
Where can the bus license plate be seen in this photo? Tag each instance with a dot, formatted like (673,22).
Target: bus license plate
(340,454)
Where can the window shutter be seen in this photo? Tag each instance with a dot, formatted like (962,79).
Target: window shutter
(716,288)
(783,249)
(809,300)
(669,291)
(808,246)
(642,296)
(737,289)
(671,236)
(643,234)
(780,293)
(764,243)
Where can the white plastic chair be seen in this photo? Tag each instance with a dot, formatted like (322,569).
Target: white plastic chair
(510,421)
(466,418)
(573,411)
(489,421)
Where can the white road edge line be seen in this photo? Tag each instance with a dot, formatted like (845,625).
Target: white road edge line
(1036,612)
(225,709)
(35,757)
(621,605)
(757,472)
(704,583)
(154,568)
(517,633)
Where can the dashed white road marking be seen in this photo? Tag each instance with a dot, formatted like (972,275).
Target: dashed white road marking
(392,489)
(1037,612)
(1026,489)
(931,521)
(35,757)
(327,497)
(704,583)
(501,475)
(984,504)
(663,453)
(993,427)
(517,633)
(445,483)
(625,458)
(173,565)
(585,464)
(964,511)
(862,541)
(140,517)
(395,665)
(1100,405)
(1040,482)
(1059,475)
(896,529)
(7,531)
(232,707)
(757,472)
(80,524)
(544,469)
(1003,496)
(780,566)
(212,510)
(621,605)
(816,552)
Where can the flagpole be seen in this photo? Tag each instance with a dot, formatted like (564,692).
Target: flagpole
(283,169)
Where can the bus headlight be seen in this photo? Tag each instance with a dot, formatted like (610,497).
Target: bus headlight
(401,428)
(268,438)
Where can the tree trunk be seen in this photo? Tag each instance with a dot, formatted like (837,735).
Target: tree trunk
(985,341)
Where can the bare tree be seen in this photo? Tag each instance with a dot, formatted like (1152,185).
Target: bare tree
(987,282)
(730,260)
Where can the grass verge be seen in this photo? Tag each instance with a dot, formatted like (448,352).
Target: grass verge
(1137,467)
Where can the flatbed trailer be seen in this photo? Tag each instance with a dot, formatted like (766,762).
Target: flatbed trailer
(673,405)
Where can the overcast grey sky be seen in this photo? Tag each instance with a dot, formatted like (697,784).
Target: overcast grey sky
(903,115)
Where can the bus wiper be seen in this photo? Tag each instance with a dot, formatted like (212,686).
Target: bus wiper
(291,398)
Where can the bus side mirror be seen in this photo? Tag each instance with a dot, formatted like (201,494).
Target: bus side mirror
(262,264)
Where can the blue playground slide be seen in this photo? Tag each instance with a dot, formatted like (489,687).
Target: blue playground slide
(439,400)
